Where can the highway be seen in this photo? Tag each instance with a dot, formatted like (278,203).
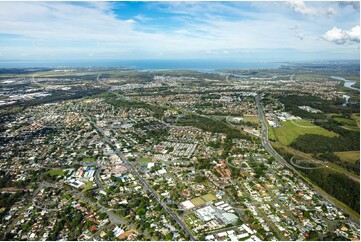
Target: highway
(269,148)
(144,183)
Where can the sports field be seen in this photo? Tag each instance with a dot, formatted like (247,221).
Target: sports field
(197,201)
(209,197)
(294,128)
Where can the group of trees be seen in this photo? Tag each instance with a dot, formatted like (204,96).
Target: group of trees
(335,184)
(291,103)
(312,143)
(113,100)
(71,218)
(212,126)
(338,185)
(346,140)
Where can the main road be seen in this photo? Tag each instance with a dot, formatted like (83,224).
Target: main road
(144,183)
(269,148)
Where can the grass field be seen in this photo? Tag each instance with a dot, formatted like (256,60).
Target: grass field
(88,159)
(293,129)
(56,173)
(349,156)
(209,197)
(145,160)
(197,201)
(252,119)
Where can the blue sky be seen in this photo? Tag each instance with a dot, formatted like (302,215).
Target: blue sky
(288,30)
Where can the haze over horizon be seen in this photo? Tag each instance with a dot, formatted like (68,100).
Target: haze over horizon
(290,30)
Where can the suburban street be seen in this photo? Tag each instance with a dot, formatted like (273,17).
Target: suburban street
(269,148)
(144,183)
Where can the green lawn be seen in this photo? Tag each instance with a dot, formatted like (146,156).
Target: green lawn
(295,128)
(88,159)
(145,160)
(56,173)
(349,156)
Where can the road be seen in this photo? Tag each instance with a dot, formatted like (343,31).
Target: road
(269,148)
(112,217)
(144,183)
(97,179)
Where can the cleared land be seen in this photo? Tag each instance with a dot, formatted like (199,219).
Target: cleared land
(349,156)
(295,128)
(252,119)
(88,159)
(56,173)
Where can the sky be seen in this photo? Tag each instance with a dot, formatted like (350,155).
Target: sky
(282,30)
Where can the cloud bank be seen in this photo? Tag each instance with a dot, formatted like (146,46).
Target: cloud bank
(340,36)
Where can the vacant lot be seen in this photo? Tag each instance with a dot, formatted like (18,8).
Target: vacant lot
(349,156)
(252,119)
(145,160)
(56,173)
(295,128)
(88,159)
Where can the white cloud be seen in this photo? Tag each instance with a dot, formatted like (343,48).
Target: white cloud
(331,12)
(72,30)
(340,36)
(142,18)
(130,21)
(299,6)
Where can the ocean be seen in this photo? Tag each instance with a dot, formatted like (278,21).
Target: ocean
(205,64)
